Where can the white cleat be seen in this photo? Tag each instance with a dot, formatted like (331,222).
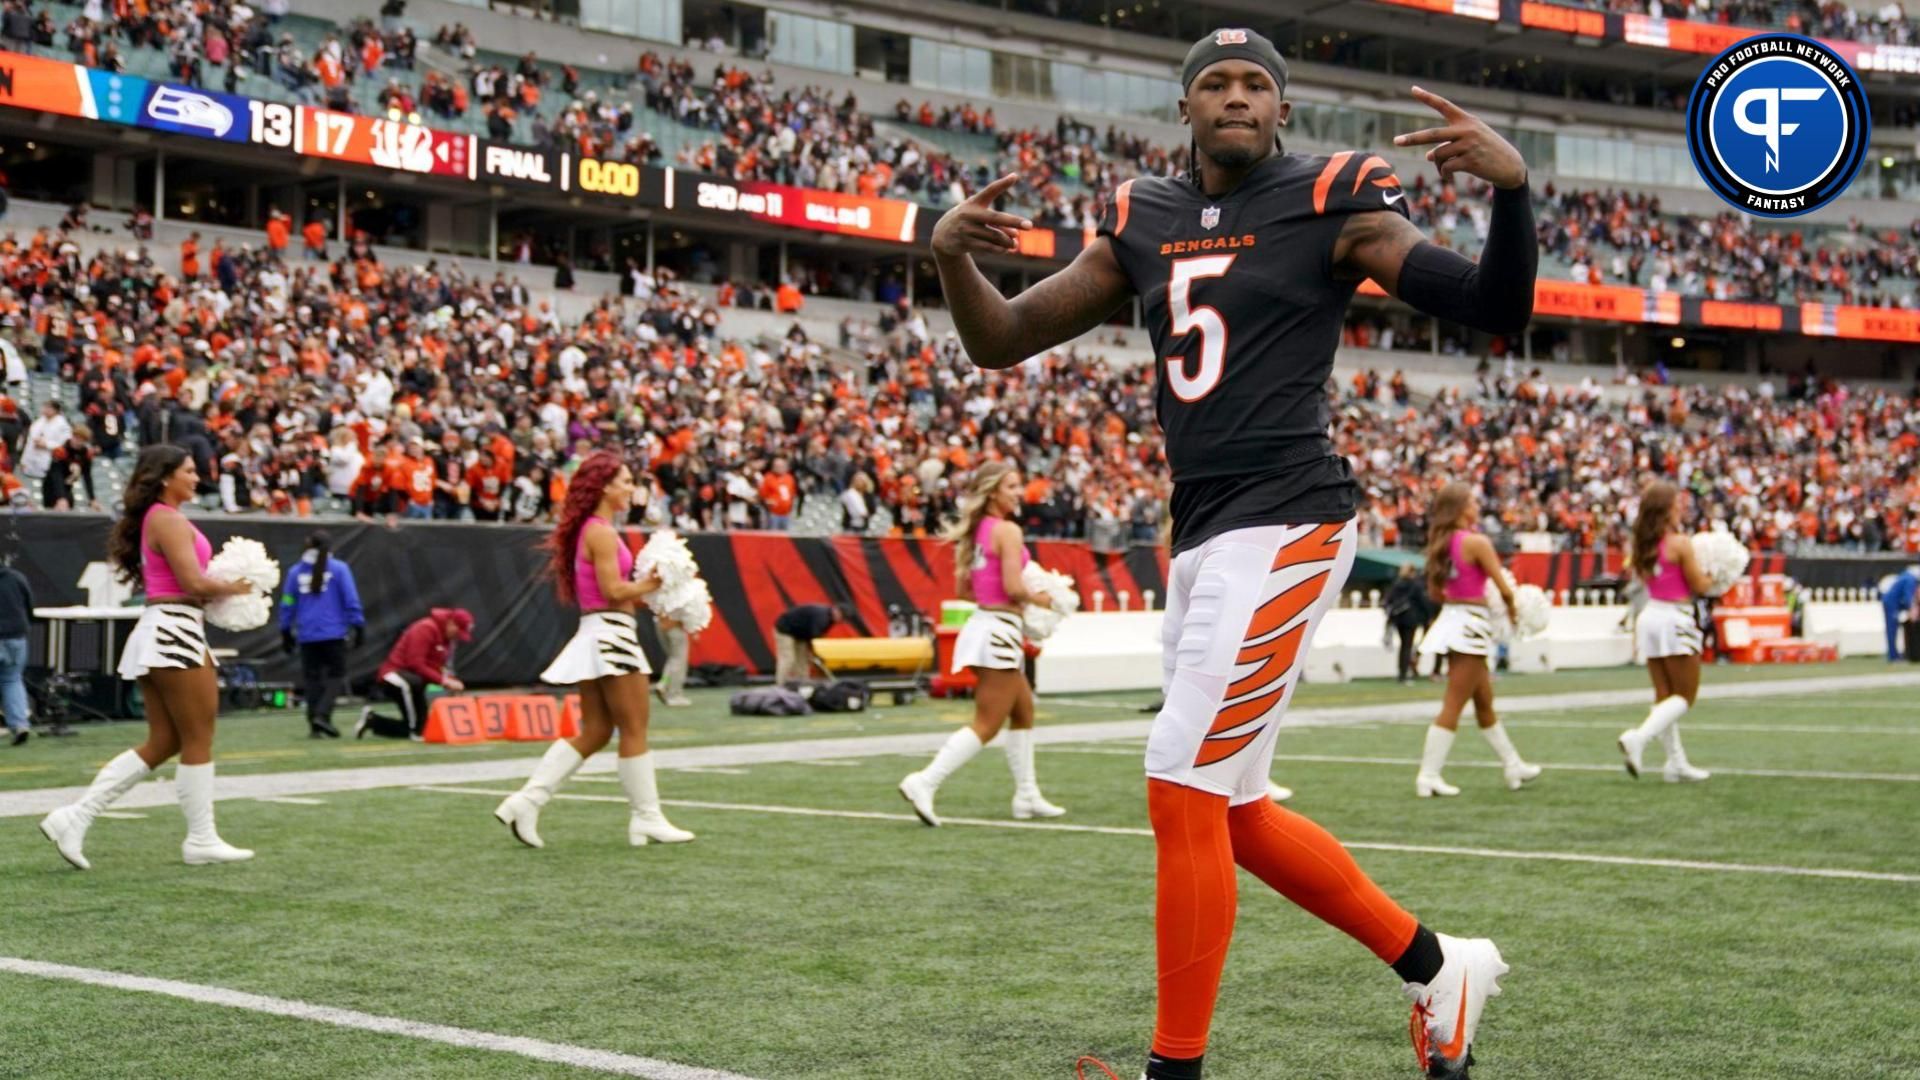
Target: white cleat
(1632,744)
(1447,1011)
(365,721)
(1427,785)
(1025,807)
(209,852)
(654,827)
(521,817)
(919,795)
(1278,793)
(1519,773)
(1683,772)
(68,835)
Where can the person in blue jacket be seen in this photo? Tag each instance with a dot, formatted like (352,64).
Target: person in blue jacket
(319,612)
(1896,602)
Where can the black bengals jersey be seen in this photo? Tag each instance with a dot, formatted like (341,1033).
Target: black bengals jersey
(1245,313)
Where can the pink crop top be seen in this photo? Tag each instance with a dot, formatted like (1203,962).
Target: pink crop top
(1668,583)
(161,584)
(1468,583)
(989,587)
(586,581)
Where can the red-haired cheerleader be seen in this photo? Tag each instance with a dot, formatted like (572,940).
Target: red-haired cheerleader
(592,568)
(1668,637)
(154,546)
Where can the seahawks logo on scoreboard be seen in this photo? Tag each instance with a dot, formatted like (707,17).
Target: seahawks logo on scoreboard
(1778,125)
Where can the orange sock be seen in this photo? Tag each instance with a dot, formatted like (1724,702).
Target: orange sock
(1305,864)
(1193,913)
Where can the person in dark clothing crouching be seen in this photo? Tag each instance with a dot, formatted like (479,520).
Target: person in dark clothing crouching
(422,657)
(319,614)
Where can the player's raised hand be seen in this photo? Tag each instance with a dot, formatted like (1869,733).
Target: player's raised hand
(1465,145)
(974,226)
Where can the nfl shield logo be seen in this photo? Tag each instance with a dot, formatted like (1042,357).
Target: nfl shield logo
(1209,217)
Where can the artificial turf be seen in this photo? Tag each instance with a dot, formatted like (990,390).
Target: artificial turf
(789,947)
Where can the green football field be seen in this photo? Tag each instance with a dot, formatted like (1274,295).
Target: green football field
(1760,925)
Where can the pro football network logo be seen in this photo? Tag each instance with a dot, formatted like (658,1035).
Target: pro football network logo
(1778,125)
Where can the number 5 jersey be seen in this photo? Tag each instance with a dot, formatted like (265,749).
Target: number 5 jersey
(1245,310)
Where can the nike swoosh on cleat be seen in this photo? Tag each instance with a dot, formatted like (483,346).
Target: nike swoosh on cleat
(1451,1051)
(1393,197)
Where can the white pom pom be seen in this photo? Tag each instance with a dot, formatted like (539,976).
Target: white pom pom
(1722,557)
(1532,611)
(241,559)
(248,612)
(1042,622)
(668,554)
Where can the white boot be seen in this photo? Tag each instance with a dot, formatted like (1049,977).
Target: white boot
(67,826)
(1679,770)
(1516,771)
(203,845)
(919,787)
(1427,782)
(643,794)
(520,811)
(1662,716)
(1027,801)
(1278,793)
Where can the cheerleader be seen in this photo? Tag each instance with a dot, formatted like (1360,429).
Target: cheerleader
(1460,562)
(1665,633)
(592,569)
(154,547)
(989,553)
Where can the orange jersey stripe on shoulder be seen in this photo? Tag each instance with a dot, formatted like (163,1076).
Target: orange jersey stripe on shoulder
(1367,166)
(1121,199)
(1321,186)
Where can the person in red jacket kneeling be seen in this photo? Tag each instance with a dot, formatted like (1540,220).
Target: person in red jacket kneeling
(421,658)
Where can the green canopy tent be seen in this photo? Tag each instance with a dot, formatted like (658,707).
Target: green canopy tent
(1377,567)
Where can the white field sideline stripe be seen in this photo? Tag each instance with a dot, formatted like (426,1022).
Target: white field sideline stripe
(1342,759)
(735,755)
(1117,830)
(560,1053)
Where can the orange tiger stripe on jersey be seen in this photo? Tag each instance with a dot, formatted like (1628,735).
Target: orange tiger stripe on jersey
(1122,198)
(1234,715)
(1367,166)
(1320,186)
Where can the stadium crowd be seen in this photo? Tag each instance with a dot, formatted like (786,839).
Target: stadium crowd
(1833,19)
(420,392)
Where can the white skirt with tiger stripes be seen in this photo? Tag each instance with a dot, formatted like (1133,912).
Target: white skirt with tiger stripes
(990,639)
(607,644)
(1461,628)
(1665,628)
(166,636)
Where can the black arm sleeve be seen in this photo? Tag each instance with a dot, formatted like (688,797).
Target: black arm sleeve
(1495,295)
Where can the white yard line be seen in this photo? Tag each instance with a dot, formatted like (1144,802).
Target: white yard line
(122,815)
(367,778)
(1345,759)
(1115,830)
(291,800)
(582,1057)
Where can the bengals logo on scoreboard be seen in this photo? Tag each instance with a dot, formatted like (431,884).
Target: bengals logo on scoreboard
(1230,37)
